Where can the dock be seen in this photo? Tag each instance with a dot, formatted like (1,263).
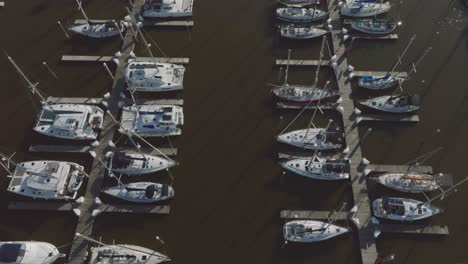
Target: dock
(287,105)
(132,208)
(281,62)
(86,149)
(313,215)
(74,100)
(412,229)
(146,23)
(79,247)
(140,101)
(393,118)
(86,58)
(379,73)
(369,36)
(40,206)
(398,168)
(362,218)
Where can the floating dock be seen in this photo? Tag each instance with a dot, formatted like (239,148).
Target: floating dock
(140,101)
(85,149)
(86,58)
(368,36)
(398,168)
(40,206)
(379,73)
(313,215)
(285,105)
(133,208)
(393,118)
(281,62)
(175,23)
(412,229)
(362,218)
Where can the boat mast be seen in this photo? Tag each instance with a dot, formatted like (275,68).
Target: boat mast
(444,192)
(31,86)
(316,109)
(424,157)
(398,61)
(287,69)
(80,7)
(320,62)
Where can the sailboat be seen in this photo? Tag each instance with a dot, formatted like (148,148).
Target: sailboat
(374,26)
(66,121)
(310,231)
(299,3)
(303,93)
(379,82)
(97,29)
(354,8)
(318,168)
(397,104)
(311,138)
(151,76)
(300,14)
(28,252)
(152,120)
(47,179)
(122,253)
(403,209)
(137,164)
(141,192)
(411,182)
(167,8)
(301,32)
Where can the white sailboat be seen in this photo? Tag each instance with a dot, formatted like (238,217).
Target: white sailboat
(123,253)
(129,163)
(300,14)
(403,209)
(152,120)
(397,104)
(303,93)
(167,8)
(28,252)
(66,121)
(318,168)
(355,8)
(310,138)
(151,76)
(310,231)
(411,182)
(141,192)
(301,32)
(98,30)
(47,179)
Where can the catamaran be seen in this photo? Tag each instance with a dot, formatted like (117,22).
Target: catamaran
(411,182)
(398,104)
(298,14)
(106,29)
(403,209)
(301,32)
(318,168)
(310,231)
(151,76)
(122,253)
(353,8)
(28,252)
(70,121)
(167,8)
(141,192)
(152,120)
(137,163)
(47,179)
(374,26)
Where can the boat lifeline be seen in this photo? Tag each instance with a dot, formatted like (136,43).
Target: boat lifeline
(298,14)
(98,30)
(354,8)
(403,209)
(398,104)
(301,32)
(141,192)
(318,168)
(411,182)
(167,8)
(310,231)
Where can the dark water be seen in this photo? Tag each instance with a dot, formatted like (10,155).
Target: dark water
(229,188)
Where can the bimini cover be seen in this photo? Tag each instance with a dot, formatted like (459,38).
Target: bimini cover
(11,252)
(119,160)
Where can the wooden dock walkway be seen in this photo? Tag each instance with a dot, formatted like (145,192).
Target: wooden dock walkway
(79,248)
(392,118)
(313,215)
(146,23)
(413,229)
(362,218)
(86,58)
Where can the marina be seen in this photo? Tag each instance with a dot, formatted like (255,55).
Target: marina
(93,154)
